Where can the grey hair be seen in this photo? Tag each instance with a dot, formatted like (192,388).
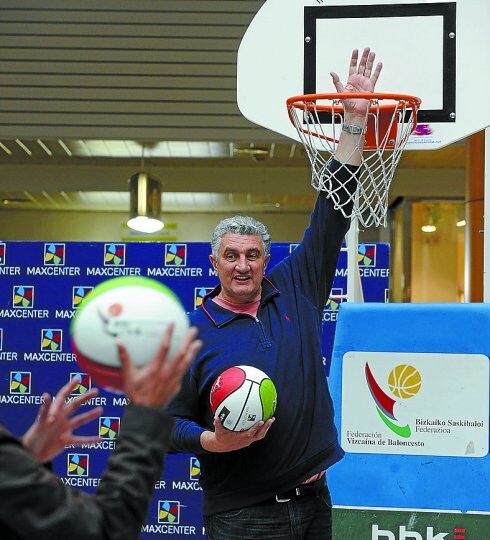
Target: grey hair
(240,225)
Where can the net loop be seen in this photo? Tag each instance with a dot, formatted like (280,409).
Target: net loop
(390,120)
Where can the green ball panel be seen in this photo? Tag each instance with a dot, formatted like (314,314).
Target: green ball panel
(268,397)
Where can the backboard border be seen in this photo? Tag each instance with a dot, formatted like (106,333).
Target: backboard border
(445,9)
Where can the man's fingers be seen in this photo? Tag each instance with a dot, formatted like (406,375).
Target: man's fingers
(167,338)
(377,71)
(188,349)
(363,62)
(126,365)
(62,394)
(80,439)
(44,408)
(161,357)
(190,335)
(336,82)
(263,428)
(86,417)
(353,62)
(73,405)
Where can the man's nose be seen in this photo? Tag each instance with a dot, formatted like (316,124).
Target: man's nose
(242,264)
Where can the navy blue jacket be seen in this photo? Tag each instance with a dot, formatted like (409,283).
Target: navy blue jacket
(284,341)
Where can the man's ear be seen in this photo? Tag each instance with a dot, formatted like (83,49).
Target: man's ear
(266,260)
(213,261)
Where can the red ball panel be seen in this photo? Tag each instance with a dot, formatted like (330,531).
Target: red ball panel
(225,384)
(103,376)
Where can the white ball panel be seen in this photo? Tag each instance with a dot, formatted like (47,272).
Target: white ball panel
(138,323)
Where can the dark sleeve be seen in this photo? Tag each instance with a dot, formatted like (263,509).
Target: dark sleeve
(34,504)
(187,433)
(311,266)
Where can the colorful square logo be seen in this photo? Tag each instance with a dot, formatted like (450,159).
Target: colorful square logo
(3,251)
(114,254)
(51,340)
(54,254)
(23,296)
(109,427)
(79,293)
(77,464)
(169,512)
(20,382)
(366,255)
(335,299)
(175,254)
(194,469)
(199,294)
(84,383)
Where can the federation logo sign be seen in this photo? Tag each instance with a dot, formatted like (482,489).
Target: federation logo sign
(199,294)
(109,427)
(79,293)
(51,340)
(366,255)
(404,381)
(169,512)
(335,298)
(77,464)
(23,296)
(54,254)
(84,383)
(3,249)
(194,469)
(20,382)
(175,254)
(114,254)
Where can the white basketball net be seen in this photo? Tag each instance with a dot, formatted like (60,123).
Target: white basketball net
(387,135)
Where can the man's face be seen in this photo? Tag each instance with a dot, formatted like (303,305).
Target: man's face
(240,265)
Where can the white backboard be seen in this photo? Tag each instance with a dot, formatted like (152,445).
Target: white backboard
(438,51)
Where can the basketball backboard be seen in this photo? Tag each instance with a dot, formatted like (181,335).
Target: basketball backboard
(438,51)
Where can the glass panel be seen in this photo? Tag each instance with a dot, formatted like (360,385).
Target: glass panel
(437,263)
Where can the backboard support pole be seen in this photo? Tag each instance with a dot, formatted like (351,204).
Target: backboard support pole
(354,285)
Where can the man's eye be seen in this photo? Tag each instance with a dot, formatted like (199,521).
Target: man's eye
(230,257)
(253,257)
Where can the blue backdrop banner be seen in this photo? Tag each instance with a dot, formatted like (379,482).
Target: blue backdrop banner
(42,284)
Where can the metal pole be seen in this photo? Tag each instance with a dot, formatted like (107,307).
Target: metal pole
(354,286)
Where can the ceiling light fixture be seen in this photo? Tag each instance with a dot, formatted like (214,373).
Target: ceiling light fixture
(430,224)
(255,152)
(145,203)
(461,218)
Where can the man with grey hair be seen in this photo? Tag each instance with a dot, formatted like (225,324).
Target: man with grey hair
(269,481)
(240,225)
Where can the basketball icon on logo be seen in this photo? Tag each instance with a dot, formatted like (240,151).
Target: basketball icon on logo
(404,381)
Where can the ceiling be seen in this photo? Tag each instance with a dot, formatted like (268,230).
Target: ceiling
(92,92)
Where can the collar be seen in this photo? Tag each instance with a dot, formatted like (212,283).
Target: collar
(221,316)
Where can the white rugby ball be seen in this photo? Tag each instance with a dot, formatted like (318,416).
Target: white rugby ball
(134,311)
